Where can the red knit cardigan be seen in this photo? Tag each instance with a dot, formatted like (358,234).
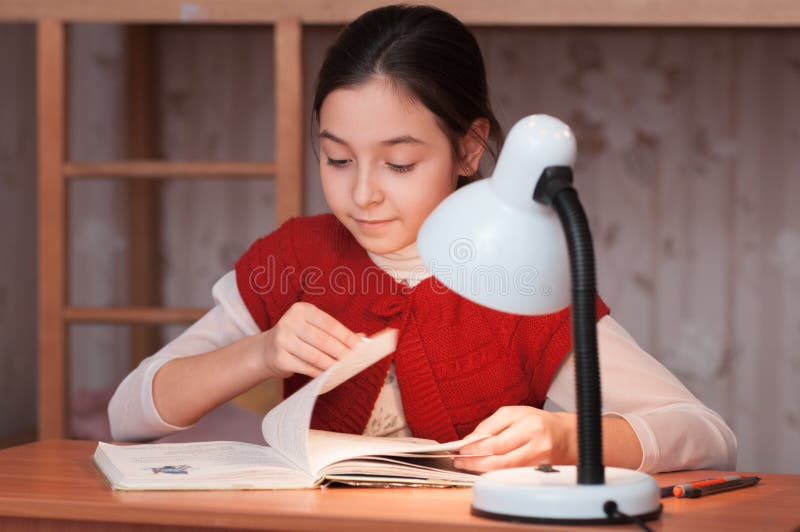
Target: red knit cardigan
(456,362)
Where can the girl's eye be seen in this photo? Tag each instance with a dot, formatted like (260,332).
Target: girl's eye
(337,163)
(400,168)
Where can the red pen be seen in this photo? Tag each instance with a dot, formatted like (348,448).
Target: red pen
(680,489)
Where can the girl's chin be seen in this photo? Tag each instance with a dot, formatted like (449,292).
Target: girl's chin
(381,249)
(381,246)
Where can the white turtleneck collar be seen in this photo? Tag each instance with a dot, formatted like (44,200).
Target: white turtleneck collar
(405,265)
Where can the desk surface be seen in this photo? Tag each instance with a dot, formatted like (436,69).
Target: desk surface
(53,485)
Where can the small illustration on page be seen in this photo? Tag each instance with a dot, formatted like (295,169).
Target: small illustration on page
(172,470)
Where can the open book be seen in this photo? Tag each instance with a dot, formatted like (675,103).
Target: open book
(295,457)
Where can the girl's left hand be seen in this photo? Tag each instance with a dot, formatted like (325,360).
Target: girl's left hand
(521,436)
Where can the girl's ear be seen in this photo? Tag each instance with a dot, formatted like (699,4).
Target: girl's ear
(472,146)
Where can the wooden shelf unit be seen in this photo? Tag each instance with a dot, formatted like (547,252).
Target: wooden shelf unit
(55,171)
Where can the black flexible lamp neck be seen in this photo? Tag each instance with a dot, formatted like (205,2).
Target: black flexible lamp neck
(555,189)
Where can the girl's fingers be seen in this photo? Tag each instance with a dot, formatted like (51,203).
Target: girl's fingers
(300,366)
(494,424)
(307,340)
(322,341)
(332,328)
(529,454)
(514,437)
(311,354)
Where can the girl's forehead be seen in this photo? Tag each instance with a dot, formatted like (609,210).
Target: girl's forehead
(379,88)
(376,108)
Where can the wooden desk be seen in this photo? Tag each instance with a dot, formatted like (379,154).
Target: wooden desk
(53,485)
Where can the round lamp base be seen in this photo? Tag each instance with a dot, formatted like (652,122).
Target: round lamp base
(533,495)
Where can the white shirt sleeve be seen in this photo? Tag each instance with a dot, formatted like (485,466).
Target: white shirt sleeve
(132,412)
(675,429)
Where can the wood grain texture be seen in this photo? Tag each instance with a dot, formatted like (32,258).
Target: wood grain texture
(686,142)
(746,13)
(144,215)
(138,315)
(693,239)
(289,119)
(53,387)
(57,480)
(766,259)
(152,169)
(207,225)
(783,250)
(315,43)
(216,102)
(18,240)
(98,210)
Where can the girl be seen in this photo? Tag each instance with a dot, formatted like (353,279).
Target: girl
(404,119)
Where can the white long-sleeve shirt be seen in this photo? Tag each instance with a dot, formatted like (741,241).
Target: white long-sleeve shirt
(675,429)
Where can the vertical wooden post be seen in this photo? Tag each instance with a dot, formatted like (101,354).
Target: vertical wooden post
(289,118)
(144,215)
(288,157)
(50,84)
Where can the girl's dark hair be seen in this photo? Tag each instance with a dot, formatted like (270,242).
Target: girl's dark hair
(426,51)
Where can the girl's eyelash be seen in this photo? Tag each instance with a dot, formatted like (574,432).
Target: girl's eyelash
(401,168)
(337,162)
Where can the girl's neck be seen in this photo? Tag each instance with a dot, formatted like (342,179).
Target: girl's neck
(405,265)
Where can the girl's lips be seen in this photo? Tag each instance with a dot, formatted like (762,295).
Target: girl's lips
(371,224)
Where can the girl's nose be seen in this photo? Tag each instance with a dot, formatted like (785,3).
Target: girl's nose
(366,191)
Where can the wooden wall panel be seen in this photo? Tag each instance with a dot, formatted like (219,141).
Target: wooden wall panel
(216,103)
(693,238)
(17,232)
(144,207)
(216,99)
(97,211)
(784,250)
(766,321)
(315,43)
(687,165)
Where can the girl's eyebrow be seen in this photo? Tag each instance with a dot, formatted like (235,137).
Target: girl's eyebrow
(325,134)
(403,139)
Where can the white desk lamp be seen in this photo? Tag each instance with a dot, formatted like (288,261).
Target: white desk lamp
(526,225)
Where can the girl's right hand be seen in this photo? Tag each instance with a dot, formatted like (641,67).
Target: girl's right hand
(305,340)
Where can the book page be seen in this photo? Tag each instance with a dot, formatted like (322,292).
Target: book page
(382,469)
(198,465)
(326,448)
(286,426)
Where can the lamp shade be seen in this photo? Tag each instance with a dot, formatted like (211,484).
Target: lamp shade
(491,243)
